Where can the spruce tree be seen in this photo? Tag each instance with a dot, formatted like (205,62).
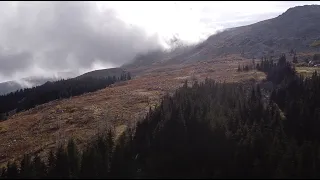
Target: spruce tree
(12,171)
(73,159)
(26,169)
(61,169)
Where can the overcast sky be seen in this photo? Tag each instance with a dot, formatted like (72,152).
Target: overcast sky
(41,38)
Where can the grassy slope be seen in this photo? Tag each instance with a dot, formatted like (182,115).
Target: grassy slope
(42,128)
(307,71)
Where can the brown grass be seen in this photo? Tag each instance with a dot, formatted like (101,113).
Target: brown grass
(307,71)
(46,126)
(315,44)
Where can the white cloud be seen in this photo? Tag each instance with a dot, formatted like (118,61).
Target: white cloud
(41,37)
(197,20)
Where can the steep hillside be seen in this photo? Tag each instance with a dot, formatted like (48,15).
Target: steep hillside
(44,127)
(296,29)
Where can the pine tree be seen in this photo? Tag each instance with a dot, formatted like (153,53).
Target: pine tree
(129,76)
(52,162)
(295,59)
(239,68)
(3,173)
(73,159)
(102,157)
(61,169)
(89,167)
(12,171)
(26,169)
(110,146)
(39,168)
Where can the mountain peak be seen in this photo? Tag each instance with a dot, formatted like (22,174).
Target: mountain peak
(302,11)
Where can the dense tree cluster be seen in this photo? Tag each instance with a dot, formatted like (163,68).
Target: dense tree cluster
(277,72)
(30,97)
(245,68)
(316,57)
(209,130)
(299,99)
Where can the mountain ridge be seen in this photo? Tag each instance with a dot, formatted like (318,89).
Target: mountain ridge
(296,29)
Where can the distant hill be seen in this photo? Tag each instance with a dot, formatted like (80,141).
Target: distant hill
(30,97)
(11,86)
(28,82)
(295,29)
(103,73)
(36,91)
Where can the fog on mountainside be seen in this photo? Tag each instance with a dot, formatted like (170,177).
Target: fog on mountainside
(177,47)
(29,82)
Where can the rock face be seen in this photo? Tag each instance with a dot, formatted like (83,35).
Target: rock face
(295,29)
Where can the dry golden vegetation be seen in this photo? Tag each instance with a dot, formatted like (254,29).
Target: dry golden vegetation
(315,43)
(42,128)
(307,71)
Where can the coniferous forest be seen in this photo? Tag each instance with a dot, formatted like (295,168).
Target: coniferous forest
(209,130)
(25,99)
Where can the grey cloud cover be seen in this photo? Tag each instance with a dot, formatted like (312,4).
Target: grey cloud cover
(56,36)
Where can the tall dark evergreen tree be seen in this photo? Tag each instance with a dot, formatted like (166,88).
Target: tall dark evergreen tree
(73,159)
(12,171)
(61,169)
